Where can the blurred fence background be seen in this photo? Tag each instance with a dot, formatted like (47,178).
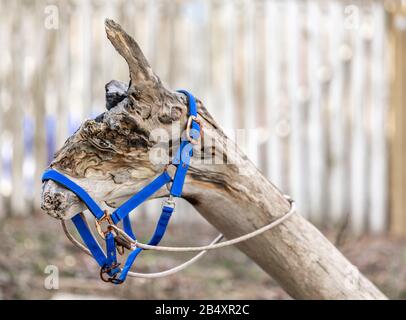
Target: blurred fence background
(312,75)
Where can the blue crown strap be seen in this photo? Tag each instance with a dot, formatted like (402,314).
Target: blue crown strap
(192,111)
(76,189)
(185,151)
(140,197)
(191,102)
(89,240)
(156,238)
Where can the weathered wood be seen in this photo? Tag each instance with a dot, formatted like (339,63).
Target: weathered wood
(110,159)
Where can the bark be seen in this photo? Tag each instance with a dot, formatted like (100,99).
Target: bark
(110,157)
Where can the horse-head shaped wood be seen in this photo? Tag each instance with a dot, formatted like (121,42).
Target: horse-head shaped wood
(111,157)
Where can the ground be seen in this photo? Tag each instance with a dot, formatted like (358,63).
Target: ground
(29,244)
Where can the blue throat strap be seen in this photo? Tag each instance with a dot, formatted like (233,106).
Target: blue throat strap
(140,197)
(156,238)
(108,261)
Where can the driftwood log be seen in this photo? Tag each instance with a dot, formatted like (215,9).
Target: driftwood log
(110,157)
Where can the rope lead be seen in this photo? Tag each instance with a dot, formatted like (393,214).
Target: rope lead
(215,244)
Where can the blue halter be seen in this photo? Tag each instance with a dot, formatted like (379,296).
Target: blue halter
(108,261)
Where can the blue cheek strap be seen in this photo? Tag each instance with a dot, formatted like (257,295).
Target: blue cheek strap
(110,270)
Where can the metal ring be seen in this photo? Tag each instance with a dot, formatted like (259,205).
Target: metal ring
(104,270)
(105,217)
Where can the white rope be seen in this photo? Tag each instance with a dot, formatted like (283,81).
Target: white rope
(175,269)
(153,275)
(213,246)
(203,249)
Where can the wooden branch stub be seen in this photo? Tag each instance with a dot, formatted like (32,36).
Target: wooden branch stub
(141,73)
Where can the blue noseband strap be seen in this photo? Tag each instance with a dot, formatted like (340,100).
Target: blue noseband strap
(76,189)
(108,261)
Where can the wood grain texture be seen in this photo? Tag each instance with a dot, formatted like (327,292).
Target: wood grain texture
(110,158)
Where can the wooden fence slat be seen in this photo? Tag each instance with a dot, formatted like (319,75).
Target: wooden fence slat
(18,49)
(336,116)
(63,74)
(378,169)
(86,9)
(230,48)
(397,25)
(358,143)
(216,56)
(4,34)
(296,112)
(109,62)
(315,125)
(250,101)
(44,51)
(273,34)
(222,62)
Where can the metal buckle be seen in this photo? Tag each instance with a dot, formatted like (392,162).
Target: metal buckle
(122,243)
(189,127)
(120,248)
(105,218)
(171,174)
(169,202)
(104,270)
(166,168)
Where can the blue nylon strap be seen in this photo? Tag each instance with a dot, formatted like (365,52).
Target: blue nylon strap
(127,227)
(81,193)
(161,226)
(140,197)
(94,247)
(156,238)
(185,151)
(89,240)
(128,264)
(110,249)
(111,254)
(192,109)
(182,160)
(191,102)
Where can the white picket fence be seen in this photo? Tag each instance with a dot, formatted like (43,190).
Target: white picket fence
(311,75)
